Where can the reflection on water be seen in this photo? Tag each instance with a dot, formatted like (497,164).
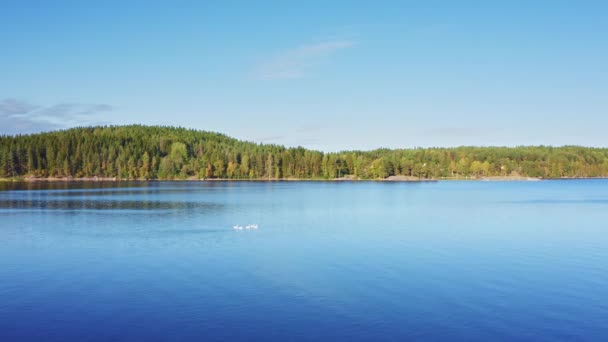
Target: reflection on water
(58,185)
(106,205)
(99,196)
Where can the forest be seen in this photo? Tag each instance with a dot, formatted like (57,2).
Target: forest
(159,152)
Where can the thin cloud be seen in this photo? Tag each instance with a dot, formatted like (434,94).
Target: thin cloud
(19,125)
(21,117)
(12,106)
(296,62)
(72,110)
(95,108)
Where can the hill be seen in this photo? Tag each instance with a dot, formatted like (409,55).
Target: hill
(155,152)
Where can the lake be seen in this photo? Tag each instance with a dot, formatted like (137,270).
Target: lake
(370,261)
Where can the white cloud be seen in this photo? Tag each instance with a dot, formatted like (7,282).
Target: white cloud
(22,117)
(294,63)
(12,106)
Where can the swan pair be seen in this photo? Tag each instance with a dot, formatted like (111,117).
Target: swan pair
(249,226)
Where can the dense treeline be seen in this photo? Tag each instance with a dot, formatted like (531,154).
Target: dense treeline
(143,152)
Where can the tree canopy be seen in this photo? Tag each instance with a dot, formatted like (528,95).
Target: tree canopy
(158,152)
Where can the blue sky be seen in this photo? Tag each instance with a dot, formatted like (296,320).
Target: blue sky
(327,75)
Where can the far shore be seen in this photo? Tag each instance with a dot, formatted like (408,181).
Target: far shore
(391,179)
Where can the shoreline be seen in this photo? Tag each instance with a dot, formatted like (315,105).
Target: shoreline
(392,179)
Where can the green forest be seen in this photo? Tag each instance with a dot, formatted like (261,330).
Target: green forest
(155,152)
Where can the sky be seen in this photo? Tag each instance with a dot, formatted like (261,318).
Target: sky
(326,75)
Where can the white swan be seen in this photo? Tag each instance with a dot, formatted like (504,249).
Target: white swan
(249,226)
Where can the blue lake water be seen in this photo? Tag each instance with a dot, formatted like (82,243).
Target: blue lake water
(371,261)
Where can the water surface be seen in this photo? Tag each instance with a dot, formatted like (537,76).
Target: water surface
(335,261)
